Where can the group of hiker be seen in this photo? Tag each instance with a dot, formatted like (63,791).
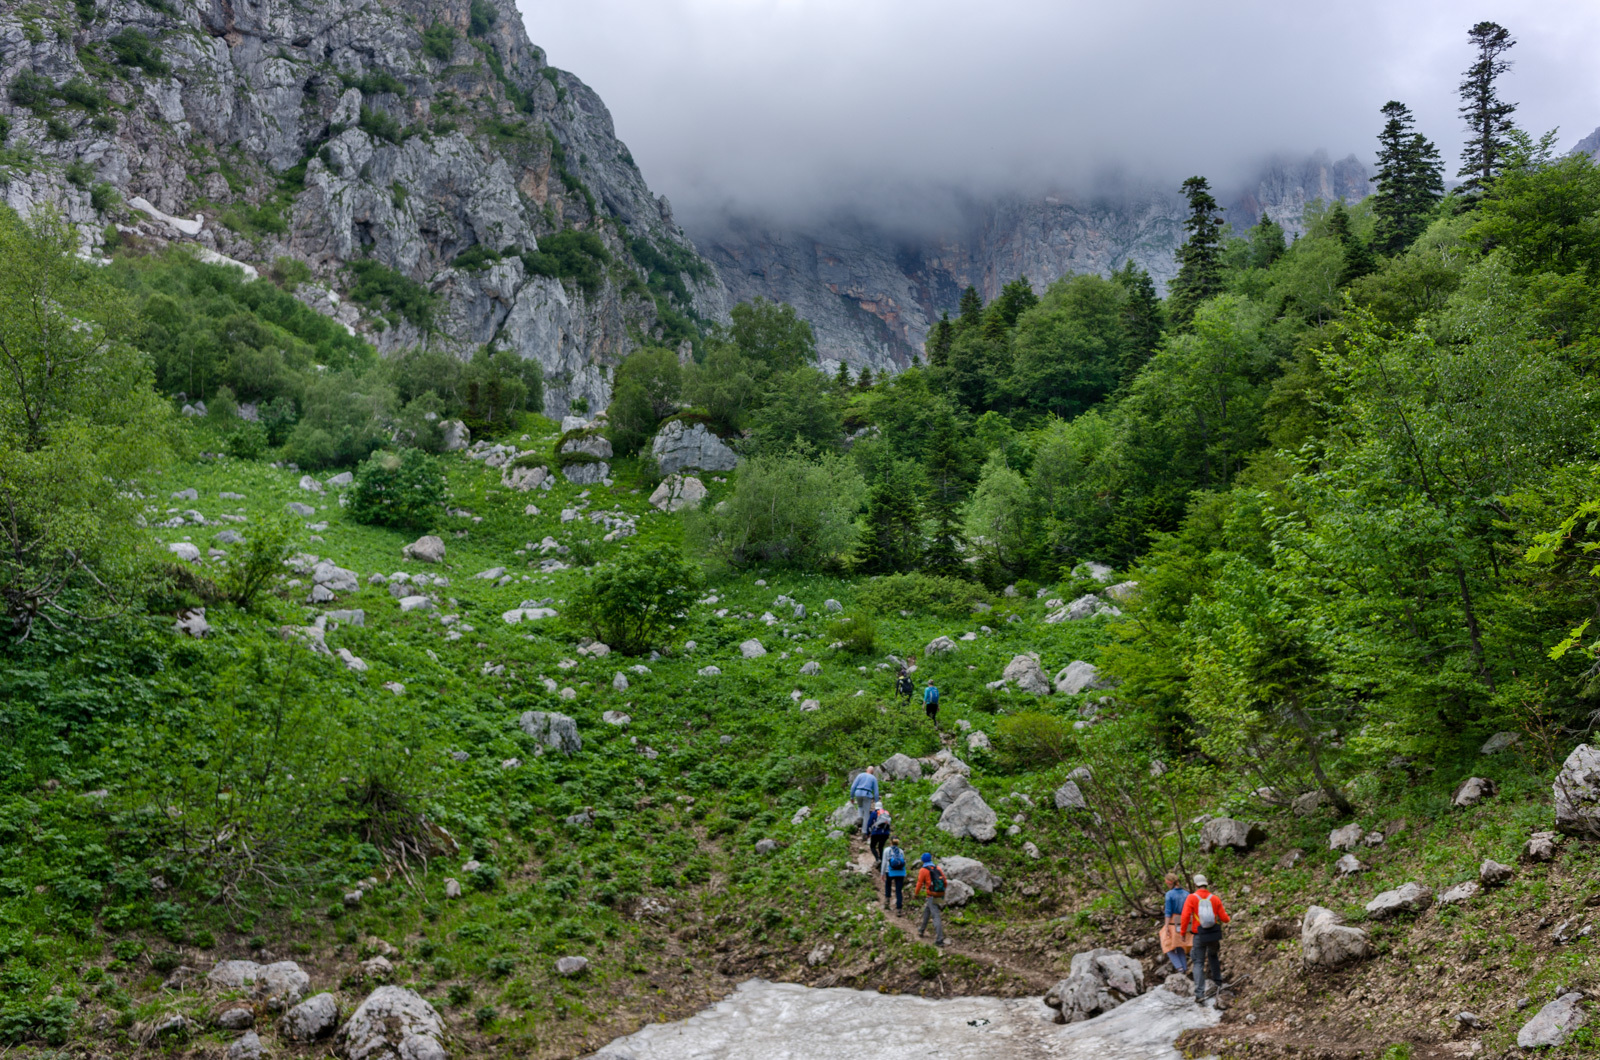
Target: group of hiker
(906,688)
(878,826)
(1191,932)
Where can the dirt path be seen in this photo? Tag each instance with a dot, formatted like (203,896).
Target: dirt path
(1037,979)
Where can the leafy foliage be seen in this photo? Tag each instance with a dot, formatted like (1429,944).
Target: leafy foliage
(405,489)
(634,605)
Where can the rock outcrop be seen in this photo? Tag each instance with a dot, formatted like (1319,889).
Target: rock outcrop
(1221,832)
(1325,942)
(350,140)
(680,446)
(1097,982)
(1577,793)
(393,1023)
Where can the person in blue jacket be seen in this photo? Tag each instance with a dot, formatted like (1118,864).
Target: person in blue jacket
(1173,912)
(864,789)
(894,875)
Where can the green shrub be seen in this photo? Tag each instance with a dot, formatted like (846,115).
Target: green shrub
(379,124)
(379,287)
(482,17)
(633,605)
(920,594)
(255,562)
(133,48)
(570,255)
(375,83)
(103,197)
(29,89)
(438,40)
(405,490)
(80,93)
(858,634)
(788,510)
(1032,740)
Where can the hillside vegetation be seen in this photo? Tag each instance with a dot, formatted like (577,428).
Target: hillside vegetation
(302,675)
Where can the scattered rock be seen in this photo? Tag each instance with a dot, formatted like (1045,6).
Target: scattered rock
(1121,592)
(939,646)
(679,446)
(901,767)
(1577,793)
(246,1048)
(709,671)
(949,791)
(1025,672)
(1083,607)
(811,669)
(341,480)
(277,986)
(957,893)
(1347,838)
(619,682)
(315,1017)
(1069,797)
(238,1016)
(819,954)
(832,606)
(617,718)
(452,888)
(846,817)
(1326,942)
(677,492)
(1031,850)
(810,704)
(377,969)
(1079,676)
(555,731)
(1499,742)
(415,603)
(947,766)
(1098,982)
(1309,803)
(1472,791)
(1461,892)
(192,623)
(978,741)
(185,551)
(1541,846)
(518,615)
(425,549)
(1407,898)
(352,662)
(800,815)
(971,872)
(456,435)
(572,966)
(766,846)
(969,817)
(1348,865)
(1289,860)
(393,1023)
(304,511)
(1554,1023)
(1491,873)
(1221,832)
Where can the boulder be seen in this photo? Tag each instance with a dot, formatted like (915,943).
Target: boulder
(971,872)
(679,446)
(1069,797)
(192,623)
(939,646)
(185,551)
(352,661)
(957,893)
(1079,676)
(1025,672)
(228,537)
(587,474)
(523,479)
(1326,942)
(425,549)
(341,480)
(555,731)
(949,791)
(752,649)
(949,766)
(832,606)
(709,671)
(766,846)
(1577,793)
(811,669)
(678,492)
(455,435)
(595,445)
(846,817)
(1348,865)
(415,603)
(809,705)
(1472,791)
(969,817)
(1491,873)
(277,986)
(1097,982)
(246,1048)
(315,1017)
(617,718)
(393,1023)
(1461,892)
(978,741)
(1500,741)
(901,767)
(1407,898)
(1220,832)
(335,577)
(619,683)
(517,616)
(238,1016)
(1121,592)
(1081,608)
(1541,846)
(304,511)
(1309,803)
(309,484)
(1347,838)
(1554,1023)
(1031,850)
(352,617)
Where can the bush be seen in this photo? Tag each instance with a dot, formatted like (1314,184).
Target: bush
(919,594)
(29,89)
(379,124)
(405,490)
(570,255)
(787,510)
(482,18)
(255,562)
(633,605)
(133,48)
(379,287)
(438,40)
(1032,740)
(858,634)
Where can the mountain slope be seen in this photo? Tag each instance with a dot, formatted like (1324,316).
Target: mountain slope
(404,132)
(873,292)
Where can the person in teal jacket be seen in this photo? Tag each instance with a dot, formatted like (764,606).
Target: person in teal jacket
(894,875)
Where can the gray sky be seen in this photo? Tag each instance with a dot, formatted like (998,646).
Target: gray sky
(787,107)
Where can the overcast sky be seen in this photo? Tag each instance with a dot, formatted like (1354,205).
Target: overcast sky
(786,107)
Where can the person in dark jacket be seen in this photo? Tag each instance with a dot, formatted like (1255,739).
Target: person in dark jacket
(878,831)
(905,687)
(1207,936)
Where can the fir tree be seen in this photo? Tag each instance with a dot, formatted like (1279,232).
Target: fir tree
(892,540)
(938,343)
(1016,298)
(1141,319)
(1267,244)
(971,310)
(1358,257)
(841,378)
(1488,116)
(944,468)
(1200,258)
(1410,181)
(864,378)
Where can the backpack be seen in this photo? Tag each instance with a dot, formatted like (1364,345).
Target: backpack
(897,860)
(931,696)
(1206,913)
(935,880)
(881,825)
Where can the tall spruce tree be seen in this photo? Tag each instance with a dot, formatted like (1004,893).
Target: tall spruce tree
(1016,298)
(1141,319)
(1358,257)
(938,342)
(1488,116)
(864,378)
(1267,244)
(945,464)
(841,378)
(1200,258)
(1410,180)
(971,310)
(892,540)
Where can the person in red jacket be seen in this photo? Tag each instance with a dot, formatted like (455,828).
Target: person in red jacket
(1207,927)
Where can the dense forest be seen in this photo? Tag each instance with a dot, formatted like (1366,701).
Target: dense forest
(1347,485)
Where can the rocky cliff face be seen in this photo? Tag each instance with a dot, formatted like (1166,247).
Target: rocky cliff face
(404,132)
(872,293)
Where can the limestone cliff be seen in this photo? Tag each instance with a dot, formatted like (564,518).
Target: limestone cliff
(872,292)
(407,133)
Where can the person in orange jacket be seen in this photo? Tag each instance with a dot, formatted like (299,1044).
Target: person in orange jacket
(1203,914)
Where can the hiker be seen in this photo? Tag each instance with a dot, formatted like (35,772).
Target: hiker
(1173,941)
(930,702)
(904,686)
(864,789)
(1203,911)
(930,882)
(880,826)
(893,865)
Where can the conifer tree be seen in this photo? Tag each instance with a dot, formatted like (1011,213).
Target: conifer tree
(1016,298)
(864,378)
(1410,180)
(1200,258)
(944,466)
(1267,244)
(1358,257)
(938,343)
(1488,116)
(892,541)
(971,310)
(1141,319)
(841,378)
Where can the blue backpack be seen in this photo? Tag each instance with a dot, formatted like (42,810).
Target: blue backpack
(897,861)
(931,696)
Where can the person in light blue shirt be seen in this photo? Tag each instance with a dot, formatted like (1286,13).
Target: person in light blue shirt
(864,789)
(1173,913)
(894,875)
